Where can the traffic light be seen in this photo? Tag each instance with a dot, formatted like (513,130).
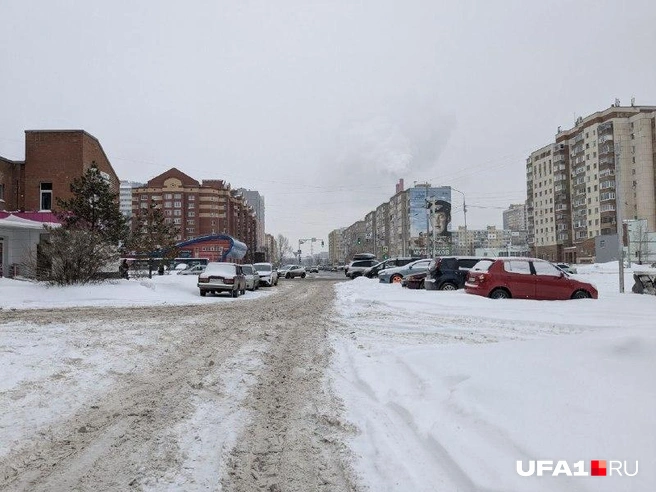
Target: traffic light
(322,244)
(359,241)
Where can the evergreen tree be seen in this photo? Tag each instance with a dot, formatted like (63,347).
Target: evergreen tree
(152,236)
(93,207)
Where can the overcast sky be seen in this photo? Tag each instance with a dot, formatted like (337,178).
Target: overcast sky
(323,106)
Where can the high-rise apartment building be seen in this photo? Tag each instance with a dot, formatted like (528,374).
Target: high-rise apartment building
(256,202)
(514,217)
(336,251)
(125,196)
(573,184)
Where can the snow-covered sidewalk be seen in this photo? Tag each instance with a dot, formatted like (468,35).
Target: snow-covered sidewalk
(450,390)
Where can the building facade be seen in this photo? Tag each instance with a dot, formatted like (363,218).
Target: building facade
(125,196)
(198,208)
(573,184)
(256,202)
(336,249)
(53,159)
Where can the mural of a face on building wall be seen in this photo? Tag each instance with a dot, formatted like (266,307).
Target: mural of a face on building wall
(440,217)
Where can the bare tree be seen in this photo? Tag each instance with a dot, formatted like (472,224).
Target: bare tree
(284,248)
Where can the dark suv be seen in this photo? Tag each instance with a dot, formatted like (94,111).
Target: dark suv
(449,272)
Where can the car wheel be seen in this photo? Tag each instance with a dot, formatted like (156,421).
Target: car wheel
(581,294)
(396,279)
(203,293)
(448,286)
(302,275)
(500,294)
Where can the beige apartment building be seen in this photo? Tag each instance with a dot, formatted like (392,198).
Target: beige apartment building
(573,184)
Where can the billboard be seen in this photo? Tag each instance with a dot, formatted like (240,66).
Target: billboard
(429,212)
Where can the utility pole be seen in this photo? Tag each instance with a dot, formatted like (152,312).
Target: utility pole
(428,212)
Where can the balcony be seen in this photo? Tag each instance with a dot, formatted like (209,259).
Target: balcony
(605,128)
(605,138)
(578,138)
(607,160)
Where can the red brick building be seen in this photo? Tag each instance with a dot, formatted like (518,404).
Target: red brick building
(198,208)
(53,159)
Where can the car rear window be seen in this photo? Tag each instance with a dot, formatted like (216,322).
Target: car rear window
(247,269)
(482,265)
(262,267)
(449,264)
(363,263)
(467,263)
(224,268)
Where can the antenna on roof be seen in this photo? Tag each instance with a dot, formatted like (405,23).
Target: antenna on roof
(632,100)
(617,102)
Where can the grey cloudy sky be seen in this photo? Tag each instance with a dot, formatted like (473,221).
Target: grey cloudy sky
(322,106)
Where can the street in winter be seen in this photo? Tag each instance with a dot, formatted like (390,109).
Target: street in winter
(321,384)
(335,246)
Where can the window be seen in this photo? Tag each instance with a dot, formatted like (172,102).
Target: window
(191,205)
(177,204)
(2,191)
(167,204)
(168,196)
(517,266)
(177,196)
(144,198)
(177,213)
(190,214)
(177,221)
(167,213)
(544,268)
(192,198)
(46,196)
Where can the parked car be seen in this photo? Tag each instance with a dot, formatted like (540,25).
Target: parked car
(525,278)
(566,268)
(313,269)
(396,274)
(251,277)
(389,263)
(193,270)
(268,274)
(644,279)
(415,281)
(357,267)
(292,271)
(222,277)
(449,272)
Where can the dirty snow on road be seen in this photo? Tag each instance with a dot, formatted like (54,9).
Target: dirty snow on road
(226,395)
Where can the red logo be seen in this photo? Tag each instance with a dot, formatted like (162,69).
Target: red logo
(598,468)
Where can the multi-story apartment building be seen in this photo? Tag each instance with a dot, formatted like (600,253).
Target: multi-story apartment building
(413,222)
(382,231)
(256,201)
(336,247)
(270,248)
(198,209)
(125,196)
(514,217)
(573,184)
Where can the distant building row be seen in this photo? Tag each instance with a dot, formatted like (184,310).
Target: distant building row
(415,222)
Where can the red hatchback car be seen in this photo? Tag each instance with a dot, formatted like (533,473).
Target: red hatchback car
(525,278)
